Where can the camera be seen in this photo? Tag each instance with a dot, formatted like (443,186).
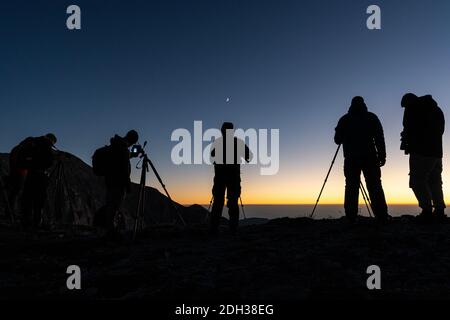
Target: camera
(136,151)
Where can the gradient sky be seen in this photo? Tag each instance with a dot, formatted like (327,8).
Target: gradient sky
(159,65)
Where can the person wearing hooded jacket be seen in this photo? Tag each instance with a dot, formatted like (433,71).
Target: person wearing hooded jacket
(423,128)
(361,134)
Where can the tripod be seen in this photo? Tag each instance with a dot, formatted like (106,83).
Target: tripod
(361,187)
(61,192)
(211,202)
(140,211)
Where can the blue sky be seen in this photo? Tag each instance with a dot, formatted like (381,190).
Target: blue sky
(156,66)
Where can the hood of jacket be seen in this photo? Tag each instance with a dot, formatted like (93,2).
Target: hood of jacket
(359,108)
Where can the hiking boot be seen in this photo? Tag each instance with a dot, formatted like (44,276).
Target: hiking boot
(439,216)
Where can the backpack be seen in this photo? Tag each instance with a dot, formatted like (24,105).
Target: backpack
(100,161)
(22,155)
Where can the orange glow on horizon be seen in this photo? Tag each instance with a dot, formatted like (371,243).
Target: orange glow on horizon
(293,203)
(250,198)
(284,193)
(295,184)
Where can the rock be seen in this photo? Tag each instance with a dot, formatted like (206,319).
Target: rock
(84,195)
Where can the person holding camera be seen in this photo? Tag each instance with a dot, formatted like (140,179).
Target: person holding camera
(423,128)
(117,176)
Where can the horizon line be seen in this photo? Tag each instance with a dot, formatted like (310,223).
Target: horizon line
(302,204)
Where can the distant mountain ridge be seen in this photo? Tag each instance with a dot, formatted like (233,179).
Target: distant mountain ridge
(84,195)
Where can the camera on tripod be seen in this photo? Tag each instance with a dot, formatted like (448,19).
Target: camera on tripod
(137,151)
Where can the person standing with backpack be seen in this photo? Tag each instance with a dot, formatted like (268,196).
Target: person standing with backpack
(113,163)
(29,162)
(423,129)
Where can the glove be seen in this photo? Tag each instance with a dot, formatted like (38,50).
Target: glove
(382,162)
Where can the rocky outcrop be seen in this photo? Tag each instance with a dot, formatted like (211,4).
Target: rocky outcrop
(81,194)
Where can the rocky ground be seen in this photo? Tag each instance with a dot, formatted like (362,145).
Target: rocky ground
(283,260)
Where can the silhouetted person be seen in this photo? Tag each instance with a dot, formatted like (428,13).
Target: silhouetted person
(117,177)
(29,162)
(424,126)
(227,154)
(361,134)
(5,197)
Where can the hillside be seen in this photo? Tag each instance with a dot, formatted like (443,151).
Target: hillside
(83,194)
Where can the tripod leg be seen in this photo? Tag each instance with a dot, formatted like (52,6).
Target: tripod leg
(68,192)
(210,203)
(137,222)
(243,211)
(141,206)
(147,160)
(209,210)
(138,213)
(365,197)
(325,182)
